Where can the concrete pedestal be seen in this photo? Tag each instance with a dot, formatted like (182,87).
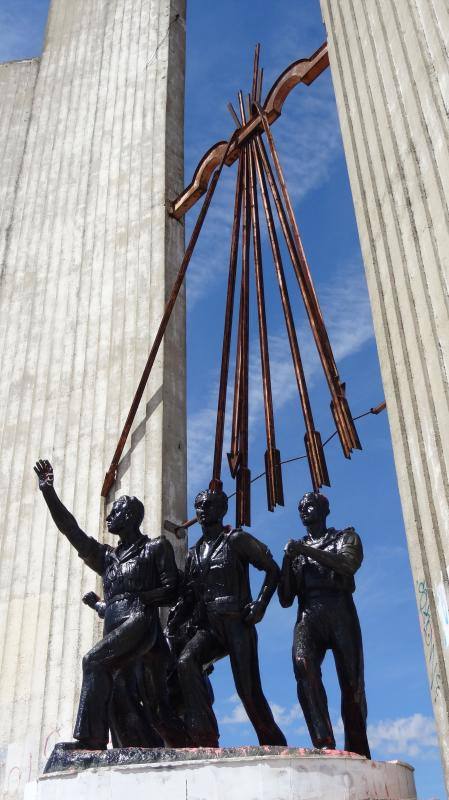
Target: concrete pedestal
(252,773)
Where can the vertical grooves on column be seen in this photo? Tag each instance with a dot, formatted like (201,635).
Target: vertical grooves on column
(68,566)
(394,297)
(416,415)
(78,312)
(157,298)
(392,118)
(49,367)
(11,528)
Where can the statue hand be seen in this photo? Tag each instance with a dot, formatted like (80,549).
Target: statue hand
(293,549)
(253,612)
(44,472)
(91,599)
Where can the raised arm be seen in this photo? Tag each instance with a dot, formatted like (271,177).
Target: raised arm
(91,551)
(256,553)
(63,519)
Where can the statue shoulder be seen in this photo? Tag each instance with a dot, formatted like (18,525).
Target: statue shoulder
(241,538)
(158,545)
(350,536)
(236,535)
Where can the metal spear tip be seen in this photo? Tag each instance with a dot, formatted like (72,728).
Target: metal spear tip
(234,462)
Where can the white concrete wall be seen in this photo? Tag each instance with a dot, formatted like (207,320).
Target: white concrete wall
(88,255)
(390,69)
(17,81)
(293,775)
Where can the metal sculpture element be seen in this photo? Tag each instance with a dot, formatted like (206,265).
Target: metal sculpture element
(319,570)
(222,616)
(127,669)
(259,174)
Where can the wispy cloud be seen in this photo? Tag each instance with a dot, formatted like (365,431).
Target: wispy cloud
(283,716)
(410,736)
(404,737)
(344,298)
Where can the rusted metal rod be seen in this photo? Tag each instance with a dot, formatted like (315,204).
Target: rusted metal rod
(307,277)
(346,429)
(255,73)
(275,493)
(112,471)
(314,448)
(243,475)
(347,432)
(227,332)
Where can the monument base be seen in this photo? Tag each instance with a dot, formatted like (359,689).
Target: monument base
(241,773)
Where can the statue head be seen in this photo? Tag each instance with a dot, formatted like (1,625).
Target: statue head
(313,508)
(126,513)
(210,507)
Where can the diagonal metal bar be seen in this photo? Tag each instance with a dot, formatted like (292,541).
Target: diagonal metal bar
(227,332)
(314,448)
(272,456)
(112,471)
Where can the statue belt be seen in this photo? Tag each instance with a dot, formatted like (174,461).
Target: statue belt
(224,605)
(118,597)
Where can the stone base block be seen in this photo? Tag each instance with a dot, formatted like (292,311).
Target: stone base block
(246,773)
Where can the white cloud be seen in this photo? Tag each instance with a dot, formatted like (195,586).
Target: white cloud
(342,299)
(283,716)
(404,737)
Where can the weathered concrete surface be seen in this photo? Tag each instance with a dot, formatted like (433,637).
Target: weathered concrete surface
(88,255)
(253,773)
(391,76)
(17,80)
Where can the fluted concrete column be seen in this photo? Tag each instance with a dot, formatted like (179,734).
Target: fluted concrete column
(91,136)
(390,68)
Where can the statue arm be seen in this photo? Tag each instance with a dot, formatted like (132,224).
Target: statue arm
(91,551)
(92,600)
(183,609)
(346,560)
(287,584)
(167,592)
(256,553)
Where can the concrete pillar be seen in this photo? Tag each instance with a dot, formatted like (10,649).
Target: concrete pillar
(389,64)
(92,134)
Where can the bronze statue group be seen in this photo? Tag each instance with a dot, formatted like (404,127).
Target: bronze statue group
(145,687)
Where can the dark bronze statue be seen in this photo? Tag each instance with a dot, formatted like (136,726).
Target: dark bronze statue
(129,716)
(128,667)
(319,570)
(217,600)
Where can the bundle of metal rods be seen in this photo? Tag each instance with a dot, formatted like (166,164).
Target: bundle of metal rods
(257,175)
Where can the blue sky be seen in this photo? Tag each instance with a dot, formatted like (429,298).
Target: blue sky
(220,43)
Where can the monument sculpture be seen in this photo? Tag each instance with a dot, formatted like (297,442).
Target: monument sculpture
(125,693)
(319,570)
(217,596)
(139,575)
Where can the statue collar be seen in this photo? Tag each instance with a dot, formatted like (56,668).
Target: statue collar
(132,550)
